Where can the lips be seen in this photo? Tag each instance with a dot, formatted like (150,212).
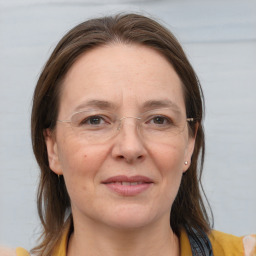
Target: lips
(132,179)
(128,186)
(125,183)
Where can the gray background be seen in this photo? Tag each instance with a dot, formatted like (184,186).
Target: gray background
(220,40)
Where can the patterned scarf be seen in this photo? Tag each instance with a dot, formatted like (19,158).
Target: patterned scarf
(200,243)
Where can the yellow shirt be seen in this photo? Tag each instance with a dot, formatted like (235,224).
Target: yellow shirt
(222,244)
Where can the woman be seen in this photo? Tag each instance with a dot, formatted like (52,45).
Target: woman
(117,133)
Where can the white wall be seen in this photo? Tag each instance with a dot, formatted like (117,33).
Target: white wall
(220,40)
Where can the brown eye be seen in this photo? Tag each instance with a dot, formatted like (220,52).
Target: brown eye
(160,120)
(93,120)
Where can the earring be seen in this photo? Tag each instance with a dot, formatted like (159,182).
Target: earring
(186,162)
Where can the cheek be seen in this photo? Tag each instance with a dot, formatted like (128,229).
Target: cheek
(169,157)
(80,164)
(169,160)
(75,155)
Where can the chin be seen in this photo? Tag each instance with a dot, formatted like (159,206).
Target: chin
(128,217)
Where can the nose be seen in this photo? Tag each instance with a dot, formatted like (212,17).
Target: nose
(128,145)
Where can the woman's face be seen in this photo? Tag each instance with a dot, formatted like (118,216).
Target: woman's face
(130,179)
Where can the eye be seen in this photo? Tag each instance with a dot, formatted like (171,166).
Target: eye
(160,120)
(95,120)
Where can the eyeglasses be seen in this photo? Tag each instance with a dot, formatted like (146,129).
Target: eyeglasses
(97,126)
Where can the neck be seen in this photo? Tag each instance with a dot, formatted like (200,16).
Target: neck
(92,240)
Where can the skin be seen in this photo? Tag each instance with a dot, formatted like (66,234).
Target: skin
(106,223)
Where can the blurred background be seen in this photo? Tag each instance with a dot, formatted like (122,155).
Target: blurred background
(219,38)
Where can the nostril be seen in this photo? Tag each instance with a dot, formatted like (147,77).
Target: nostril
(130,158)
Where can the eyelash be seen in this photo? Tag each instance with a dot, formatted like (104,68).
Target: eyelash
(165,119)
(89,118)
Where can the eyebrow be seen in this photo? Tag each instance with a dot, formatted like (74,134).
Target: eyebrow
(101,104)
(148,105)
(152,104)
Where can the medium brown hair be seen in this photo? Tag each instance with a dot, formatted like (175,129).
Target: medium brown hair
(53,200)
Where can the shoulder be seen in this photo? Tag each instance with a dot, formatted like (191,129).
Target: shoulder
(21,252)
(226,244)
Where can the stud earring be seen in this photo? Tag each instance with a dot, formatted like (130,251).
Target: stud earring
(186,162)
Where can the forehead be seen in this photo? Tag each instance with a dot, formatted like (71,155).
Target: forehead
(124,76)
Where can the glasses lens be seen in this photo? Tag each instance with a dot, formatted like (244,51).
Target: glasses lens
(94,126)
(162,124)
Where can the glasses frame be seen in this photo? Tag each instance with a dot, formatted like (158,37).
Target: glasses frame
(189,120)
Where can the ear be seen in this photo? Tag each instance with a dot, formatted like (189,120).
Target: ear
(52,151)
(190,149)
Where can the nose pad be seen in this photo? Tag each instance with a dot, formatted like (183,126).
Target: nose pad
(120,124)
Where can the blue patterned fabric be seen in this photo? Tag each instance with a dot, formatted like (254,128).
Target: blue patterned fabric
(200,243)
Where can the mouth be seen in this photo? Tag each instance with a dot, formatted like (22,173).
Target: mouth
(125,183)
(128,186)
